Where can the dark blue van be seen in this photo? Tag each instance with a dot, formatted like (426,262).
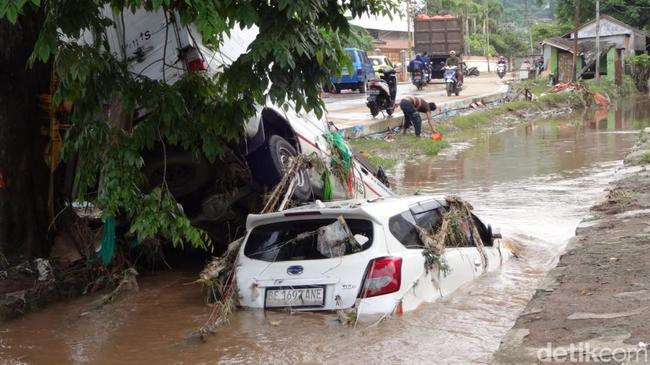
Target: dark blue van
(362,72)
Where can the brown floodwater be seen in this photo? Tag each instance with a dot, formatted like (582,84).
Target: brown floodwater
(534,181)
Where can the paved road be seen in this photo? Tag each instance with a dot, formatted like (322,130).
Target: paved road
(349,107)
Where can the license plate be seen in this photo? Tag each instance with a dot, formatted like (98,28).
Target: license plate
(373,92)
(417,78)
(311,296)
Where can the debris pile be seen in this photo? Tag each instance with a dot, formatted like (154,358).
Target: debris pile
(456,227)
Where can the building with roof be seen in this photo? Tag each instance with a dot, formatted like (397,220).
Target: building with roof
(617,42)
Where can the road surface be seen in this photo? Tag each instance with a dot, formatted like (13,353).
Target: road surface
(349,107)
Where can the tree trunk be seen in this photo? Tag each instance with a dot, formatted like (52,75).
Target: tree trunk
(24,175)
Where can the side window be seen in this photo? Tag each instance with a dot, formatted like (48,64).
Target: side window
(402,226)
(364,58)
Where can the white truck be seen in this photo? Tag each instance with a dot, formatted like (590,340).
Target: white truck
(157,46)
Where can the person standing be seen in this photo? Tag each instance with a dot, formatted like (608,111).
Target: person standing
(412,106)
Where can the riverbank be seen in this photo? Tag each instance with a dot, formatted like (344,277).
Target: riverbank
(387,148)
(595,305)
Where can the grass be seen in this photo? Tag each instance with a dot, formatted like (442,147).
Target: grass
(384,162)
(380,150)
(645,159)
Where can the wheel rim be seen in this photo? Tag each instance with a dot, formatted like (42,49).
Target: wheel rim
(285,159)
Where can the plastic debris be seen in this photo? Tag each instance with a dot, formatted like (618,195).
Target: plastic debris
(335,238)
(44,269)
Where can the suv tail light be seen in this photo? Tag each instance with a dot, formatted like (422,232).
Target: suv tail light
(194,60)
(383,277)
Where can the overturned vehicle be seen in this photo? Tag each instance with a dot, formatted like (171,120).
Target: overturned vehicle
(158,47)
(371,257)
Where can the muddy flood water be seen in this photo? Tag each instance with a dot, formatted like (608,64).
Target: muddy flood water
(535,182)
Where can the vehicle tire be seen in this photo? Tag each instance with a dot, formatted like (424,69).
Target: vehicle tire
(456,90)
(337,90)
(476,72)
(273,162)
(185,172)
(450,87)
(362,87)
(374,108)
(390,110)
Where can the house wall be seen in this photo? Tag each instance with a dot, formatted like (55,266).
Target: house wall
(607,28)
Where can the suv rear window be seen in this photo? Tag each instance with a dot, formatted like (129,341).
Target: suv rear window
(280,241)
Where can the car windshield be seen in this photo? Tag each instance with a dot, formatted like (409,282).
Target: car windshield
(299,240)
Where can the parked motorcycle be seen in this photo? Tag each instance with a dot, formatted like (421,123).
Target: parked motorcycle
(452,84)
(501,70)
(470,71)
(382,92)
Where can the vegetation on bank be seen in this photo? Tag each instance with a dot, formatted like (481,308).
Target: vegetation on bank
(384,152)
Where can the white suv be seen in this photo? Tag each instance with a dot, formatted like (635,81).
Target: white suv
(282,262)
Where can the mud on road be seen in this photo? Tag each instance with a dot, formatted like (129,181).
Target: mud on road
(595,305)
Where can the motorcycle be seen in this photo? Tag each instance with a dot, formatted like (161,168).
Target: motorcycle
(418,79)
(501,70)
(382,92)
(470,71)
(451,80)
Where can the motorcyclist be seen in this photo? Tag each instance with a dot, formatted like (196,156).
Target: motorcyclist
(416,64)
(427,63)
(502,60)
(454,60)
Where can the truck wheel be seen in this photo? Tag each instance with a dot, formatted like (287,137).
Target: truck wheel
(362,87)
(185,173)
(272,163)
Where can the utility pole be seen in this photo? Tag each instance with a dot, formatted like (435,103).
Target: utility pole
(408,24)
(487,32)
(597,41)
(530,34)
(575,42)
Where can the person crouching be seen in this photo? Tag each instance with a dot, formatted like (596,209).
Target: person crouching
(412,106)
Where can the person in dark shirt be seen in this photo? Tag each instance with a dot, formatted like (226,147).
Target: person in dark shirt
(412,106)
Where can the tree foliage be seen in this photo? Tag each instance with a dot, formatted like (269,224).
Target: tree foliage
(541,31)
(288,60)
(633,12)
(357,38)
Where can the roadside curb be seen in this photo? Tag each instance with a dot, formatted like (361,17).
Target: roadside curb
(445,110)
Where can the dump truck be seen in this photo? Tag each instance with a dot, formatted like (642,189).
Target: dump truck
(438,35)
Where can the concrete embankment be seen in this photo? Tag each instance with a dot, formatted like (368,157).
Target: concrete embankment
(594,307)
